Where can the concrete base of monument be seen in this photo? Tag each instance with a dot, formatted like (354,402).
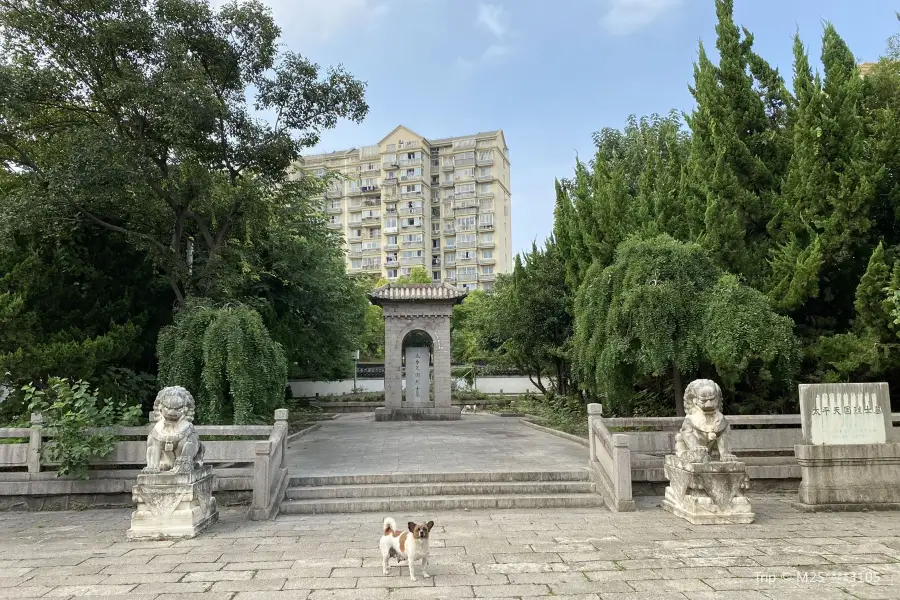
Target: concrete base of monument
(848,477)
(709,493)
(418,413)
(171,507)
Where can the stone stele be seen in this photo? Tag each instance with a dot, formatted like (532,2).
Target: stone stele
(850,456)
(707,483)
(174,492)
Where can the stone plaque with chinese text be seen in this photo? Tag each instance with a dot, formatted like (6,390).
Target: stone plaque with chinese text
(845,413)
(417,371)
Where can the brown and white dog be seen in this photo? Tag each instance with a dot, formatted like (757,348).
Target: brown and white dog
(410,545)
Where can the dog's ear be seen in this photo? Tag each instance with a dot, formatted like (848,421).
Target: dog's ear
(429,525)
(412,526)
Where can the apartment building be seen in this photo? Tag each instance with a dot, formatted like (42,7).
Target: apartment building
(443,204)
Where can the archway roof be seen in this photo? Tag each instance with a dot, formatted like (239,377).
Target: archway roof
(417,292)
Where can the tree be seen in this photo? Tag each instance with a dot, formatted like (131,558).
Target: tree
(225,354)
(663,310)
(527,319)
(732,178)
(825,223)
(416,275)
(136,117)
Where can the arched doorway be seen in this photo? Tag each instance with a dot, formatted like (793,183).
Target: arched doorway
(417,346)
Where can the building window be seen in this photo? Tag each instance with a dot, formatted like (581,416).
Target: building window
(487,270)
(391,273)
(487,254)
(435,275)
(392,240)
(487,237)
(465,223)
(436,243)
(356,263)
(484,172)
(486,219)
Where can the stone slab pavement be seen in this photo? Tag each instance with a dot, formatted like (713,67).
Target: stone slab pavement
(561,554)
(356,444)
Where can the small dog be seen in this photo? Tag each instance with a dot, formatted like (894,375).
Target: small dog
(411,545)
(470,408)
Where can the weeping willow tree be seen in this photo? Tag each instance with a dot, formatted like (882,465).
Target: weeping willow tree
(227,359)
(663,312)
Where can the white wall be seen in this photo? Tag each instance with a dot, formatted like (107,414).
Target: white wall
(487,385)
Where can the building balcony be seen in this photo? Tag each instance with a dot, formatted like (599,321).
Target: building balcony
(371,219)
(412,245)
(461,195)
(447,166)
(449,245)
(463,162)
(485,227)
(366,171)
(487,261)
(486,244)
(410,162)
(390,230)
(435,230)
(390,163)
(372,202)
(418,261)
(333,210)
(435,262)
(372,268)
(449,230)
(465,259)
(391,246)
(466,203)
(333,225)
(355,253)
(411,228)
(334,194)
(485,162)
(485,194)
(370,251)
(484,178)
(355,192)
(463,177)
(466,277)
(411,177)
(465,244)
(410,195)
(435,199)
(369,189)
(467,144)
(408,145)
(447,183)
(449,263)
(468,210)
(412,212)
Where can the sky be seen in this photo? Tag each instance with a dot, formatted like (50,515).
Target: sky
(548,73)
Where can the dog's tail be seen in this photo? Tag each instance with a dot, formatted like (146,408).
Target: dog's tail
(389,525)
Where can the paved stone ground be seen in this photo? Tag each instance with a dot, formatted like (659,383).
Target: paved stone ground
(560,554)
(357,445)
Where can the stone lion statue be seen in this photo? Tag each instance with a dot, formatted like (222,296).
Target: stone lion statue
(704,435)
(173,444)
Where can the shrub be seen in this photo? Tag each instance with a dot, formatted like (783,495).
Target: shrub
(71,412)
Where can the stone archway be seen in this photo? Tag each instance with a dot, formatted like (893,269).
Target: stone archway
(407,308)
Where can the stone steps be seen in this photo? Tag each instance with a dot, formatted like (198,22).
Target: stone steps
(420,492)
(394,490)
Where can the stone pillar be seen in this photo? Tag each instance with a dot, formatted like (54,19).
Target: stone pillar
(442,362)
(393,366)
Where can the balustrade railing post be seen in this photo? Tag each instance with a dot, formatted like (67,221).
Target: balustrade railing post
(35,439)
(281,422)
(594,412)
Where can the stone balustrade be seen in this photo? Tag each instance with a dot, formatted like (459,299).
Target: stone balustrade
(252,462)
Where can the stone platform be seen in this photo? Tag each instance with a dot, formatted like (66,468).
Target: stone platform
(565,554)
(422,413)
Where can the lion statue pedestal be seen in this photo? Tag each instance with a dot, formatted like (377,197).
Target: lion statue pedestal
(706,481)
(174,492)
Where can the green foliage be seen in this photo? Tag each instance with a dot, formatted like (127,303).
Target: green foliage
(227,359)
(526,321)
(70,413)
(416,275)
(563,413)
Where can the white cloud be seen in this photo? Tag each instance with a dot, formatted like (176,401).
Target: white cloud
(493,18)
(627,16)
(315,21)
